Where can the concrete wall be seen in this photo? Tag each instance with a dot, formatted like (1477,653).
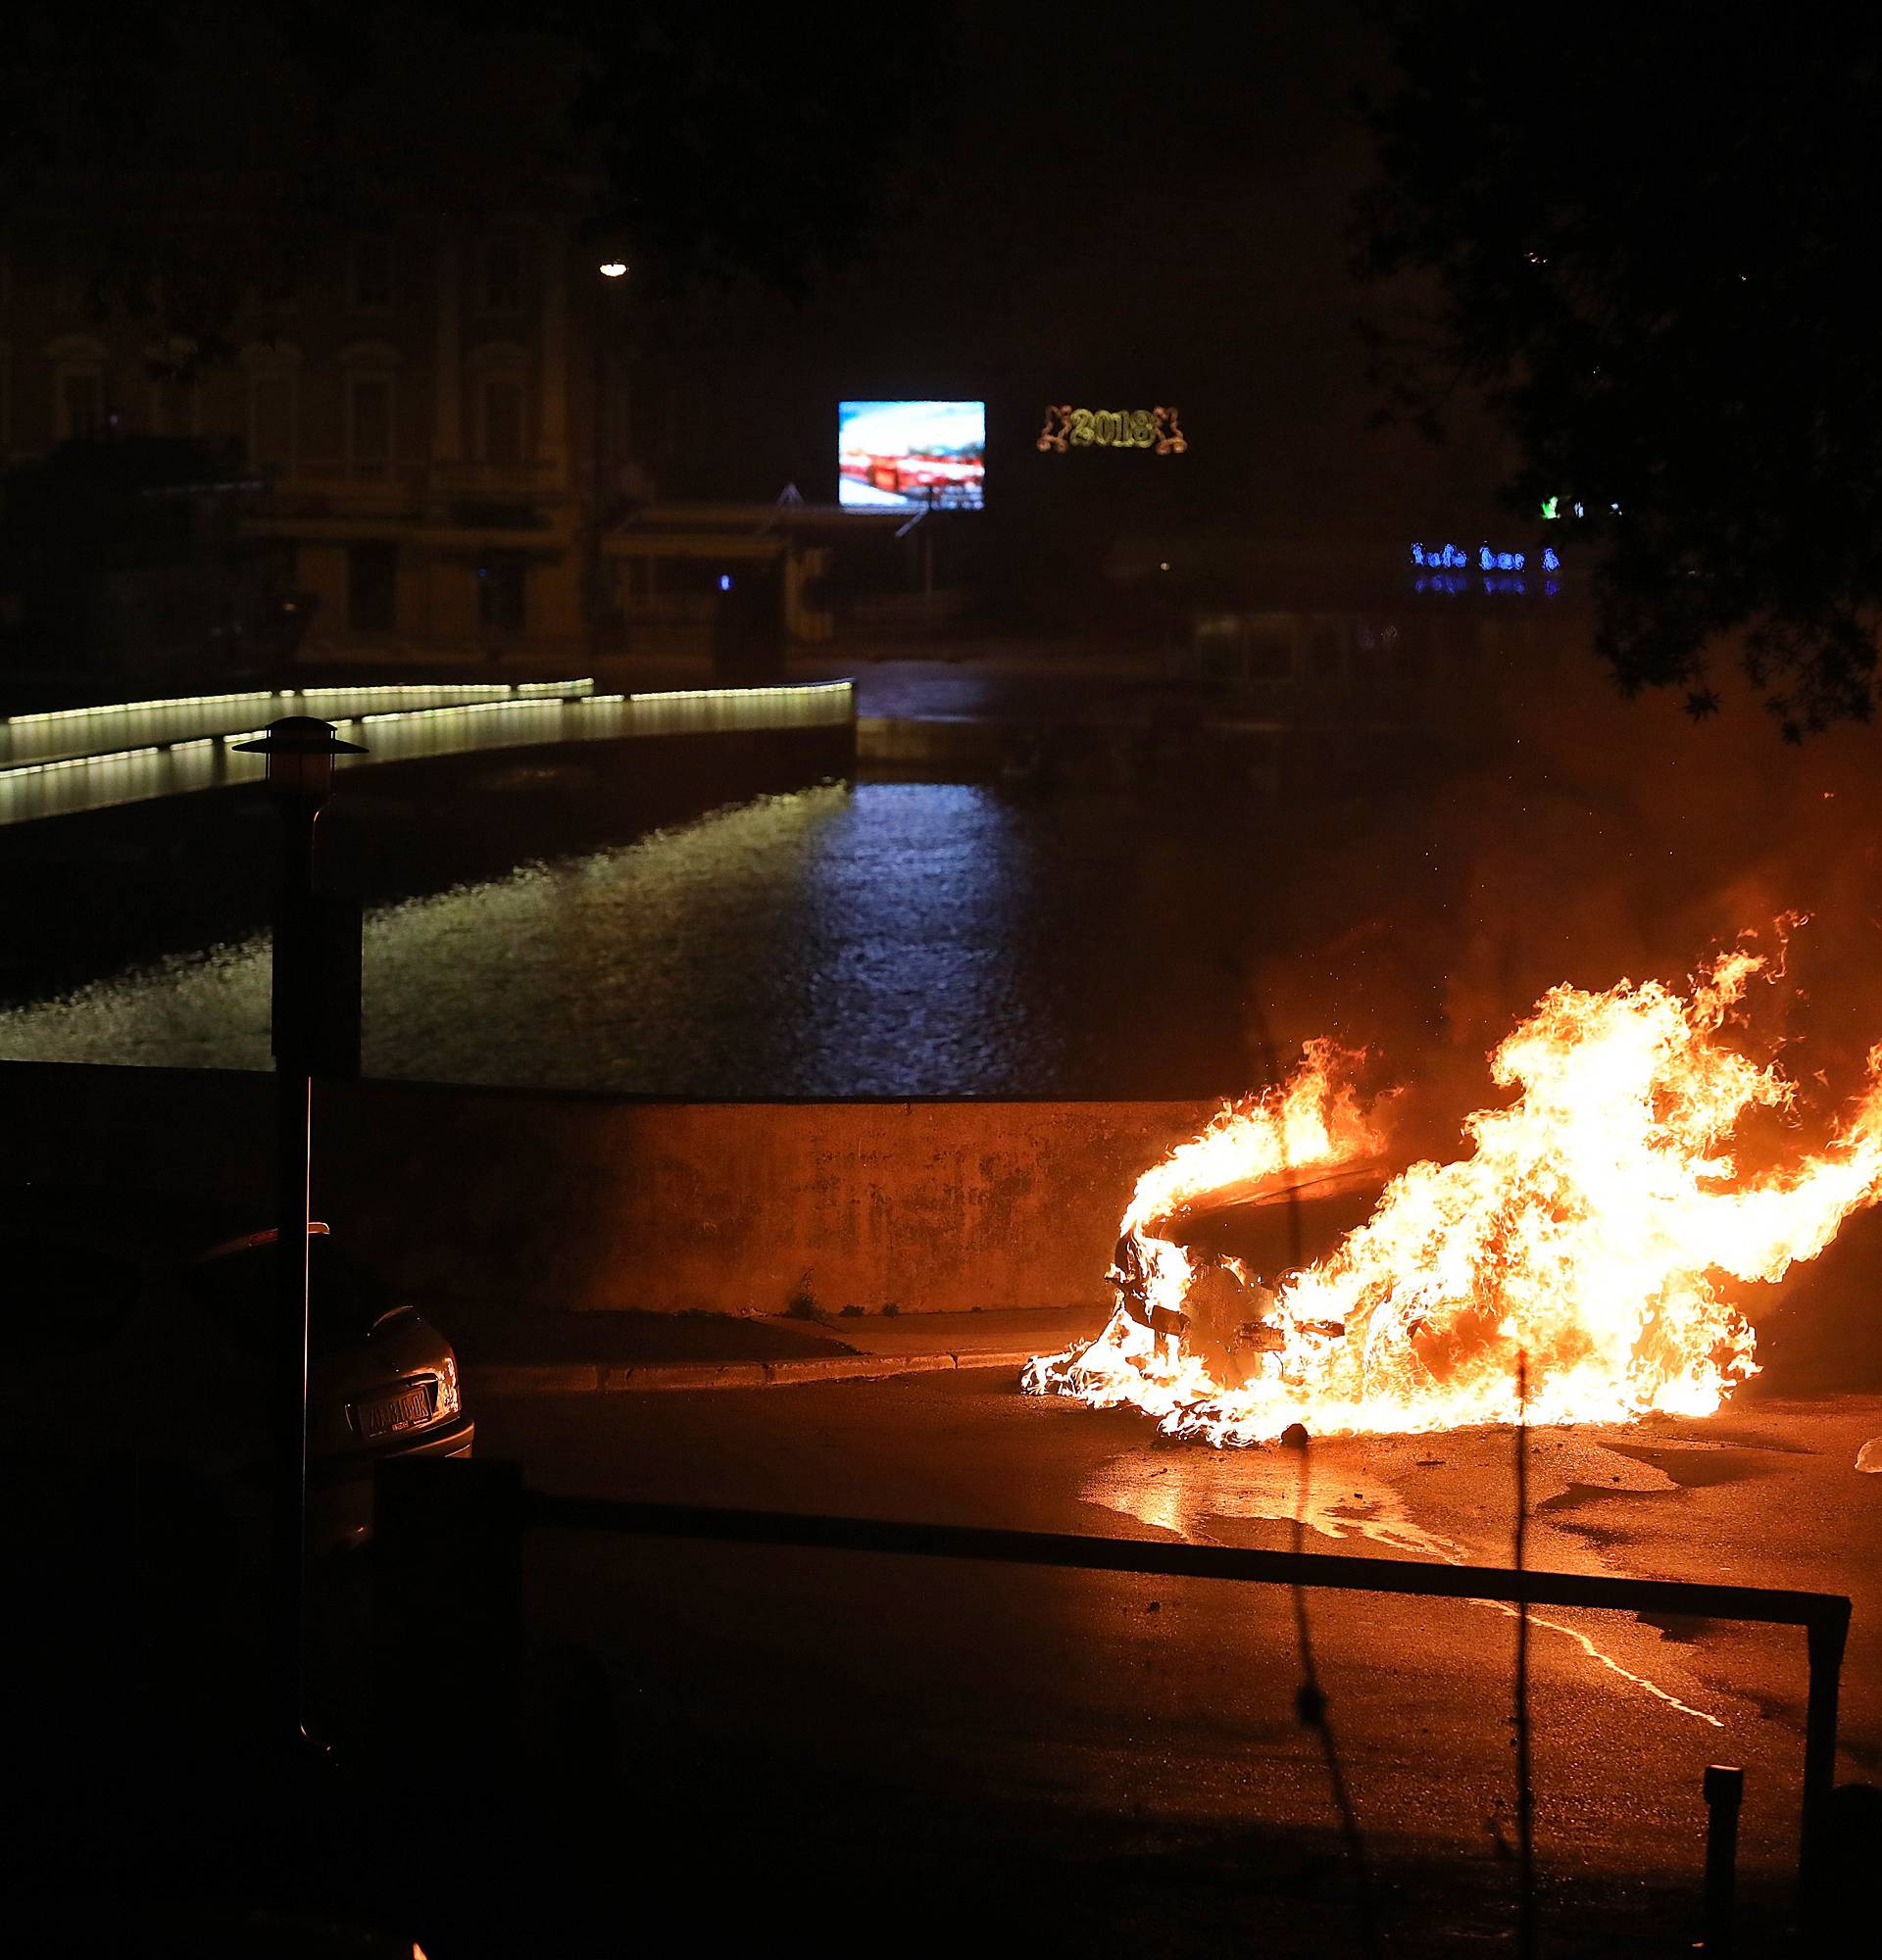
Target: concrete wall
(506,1201)
(488,1204)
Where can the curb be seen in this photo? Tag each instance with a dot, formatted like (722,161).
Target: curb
(591,1378)
(537,1378)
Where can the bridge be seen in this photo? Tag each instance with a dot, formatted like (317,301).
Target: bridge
(66,760)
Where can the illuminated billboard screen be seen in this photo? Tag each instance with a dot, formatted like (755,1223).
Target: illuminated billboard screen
(911,456)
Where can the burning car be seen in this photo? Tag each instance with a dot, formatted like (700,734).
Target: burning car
(1586,1261)
(1239,1243)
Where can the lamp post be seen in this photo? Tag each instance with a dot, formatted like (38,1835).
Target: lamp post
(300,752)
(613,271)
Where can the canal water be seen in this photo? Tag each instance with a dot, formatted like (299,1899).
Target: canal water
(865,939)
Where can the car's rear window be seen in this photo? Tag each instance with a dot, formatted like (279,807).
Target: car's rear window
(237,1290)
(61,1298)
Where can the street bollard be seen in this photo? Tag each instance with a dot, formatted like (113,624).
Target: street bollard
(448,1566)
(1724,1787)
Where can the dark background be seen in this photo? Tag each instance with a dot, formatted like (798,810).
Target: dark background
(1108,208)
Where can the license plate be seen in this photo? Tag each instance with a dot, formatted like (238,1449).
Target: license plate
(405,1410)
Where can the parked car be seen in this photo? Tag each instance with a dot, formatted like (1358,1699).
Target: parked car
(143,1324)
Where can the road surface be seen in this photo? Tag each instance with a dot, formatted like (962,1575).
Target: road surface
(1140,1725)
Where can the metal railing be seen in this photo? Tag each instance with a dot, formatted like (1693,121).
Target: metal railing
(121,728)
(486,1503)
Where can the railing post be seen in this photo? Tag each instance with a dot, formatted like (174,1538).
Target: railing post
(1724,1787)
(448,1564)
(1826,1635)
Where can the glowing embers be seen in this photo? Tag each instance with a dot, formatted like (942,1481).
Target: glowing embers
(1595,1228)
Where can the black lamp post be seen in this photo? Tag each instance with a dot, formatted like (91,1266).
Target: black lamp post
(300,752)
(607,315)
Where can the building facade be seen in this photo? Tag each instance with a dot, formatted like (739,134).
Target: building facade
(426,413)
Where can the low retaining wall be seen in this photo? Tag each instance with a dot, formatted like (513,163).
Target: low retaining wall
(506,1200)
(496,1204)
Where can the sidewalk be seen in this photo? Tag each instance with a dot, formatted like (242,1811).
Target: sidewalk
(626,1354)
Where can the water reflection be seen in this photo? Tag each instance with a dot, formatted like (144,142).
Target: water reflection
(894,939)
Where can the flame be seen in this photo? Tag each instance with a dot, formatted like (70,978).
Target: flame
(1592,1232)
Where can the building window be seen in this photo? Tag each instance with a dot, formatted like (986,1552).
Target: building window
(372,588)
(369,275)
(500,419)
(78,402)
(271,422)
(174,400)
(175,408)
(369,427)
(273,404)
(500,577)
(503,275)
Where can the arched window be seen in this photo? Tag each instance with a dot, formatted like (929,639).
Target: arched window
(175,405)
(79,363)
(500,374)
(372,409)
(273,407)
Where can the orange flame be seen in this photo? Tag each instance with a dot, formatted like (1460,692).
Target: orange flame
(1590,1231)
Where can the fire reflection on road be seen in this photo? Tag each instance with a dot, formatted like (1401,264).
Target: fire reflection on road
(1186,1494)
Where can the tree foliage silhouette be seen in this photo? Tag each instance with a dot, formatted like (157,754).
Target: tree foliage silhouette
(186,160)
(1648,241)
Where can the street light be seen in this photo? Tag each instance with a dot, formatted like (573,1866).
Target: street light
(613,270)
(300,752)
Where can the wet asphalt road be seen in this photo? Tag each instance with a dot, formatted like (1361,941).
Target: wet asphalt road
(1135,1717)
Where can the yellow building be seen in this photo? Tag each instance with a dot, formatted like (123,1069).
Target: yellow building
(426,410)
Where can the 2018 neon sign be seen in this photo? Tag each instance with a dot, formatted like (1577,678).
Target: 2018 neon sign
(1448,558)
(1067,427)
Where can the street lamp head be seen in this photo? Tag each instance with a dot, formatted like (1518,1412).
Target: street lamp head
(614,270)
(300,750)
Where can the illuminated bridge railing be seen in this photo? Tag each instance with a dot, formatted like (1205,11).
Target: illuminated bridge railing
(396,724)
(63,734)
(693,711)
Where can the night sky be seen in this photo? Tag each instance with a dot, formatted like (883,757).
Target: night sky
(1120,211)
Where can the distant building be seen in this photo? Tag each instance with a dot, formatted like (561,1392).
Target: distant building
(424,418)
(130,560)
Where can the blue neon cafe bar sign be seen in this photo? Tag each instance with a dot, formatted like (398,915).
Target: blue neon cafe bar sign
(1448,558)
